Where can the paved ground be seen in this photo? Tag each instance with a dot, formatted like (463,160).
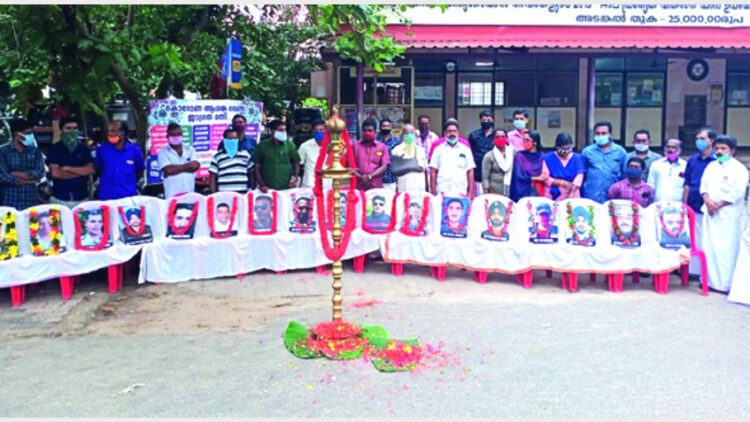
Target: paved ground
(214,348)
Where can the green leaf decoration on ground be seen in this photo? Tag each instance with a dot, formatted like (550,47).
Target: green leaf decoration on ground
(373,331)
(295,340)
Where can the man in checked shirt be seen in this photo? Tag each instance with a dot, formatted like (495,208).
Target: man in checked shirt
(21,167)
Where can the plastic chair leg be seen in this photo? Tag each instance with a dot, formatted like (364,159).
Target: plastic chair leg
(17,295)
(549,273)
(433,272)
(113,278)
(615,282)
(481,277)
(441,273)
(573,282)
(528,279)
(685,274)
(120,276)
(397,269)
(359,264)
(66,287)
(281,272)
(592,278)
(320,269)
(565,281)
(636,277)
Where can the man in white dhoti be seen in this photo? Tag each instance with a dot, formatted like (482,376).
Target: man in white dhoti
(723,190)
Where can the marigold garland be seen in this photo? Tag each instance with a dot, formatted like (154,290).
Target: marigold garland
(616,227)
(211,218)
(683,217)
(571,224)
(54,235)
(11,236)
(105,231)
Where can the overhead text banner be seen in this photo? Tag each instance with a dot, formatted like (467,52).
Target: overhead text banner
(561,14)
(203,123)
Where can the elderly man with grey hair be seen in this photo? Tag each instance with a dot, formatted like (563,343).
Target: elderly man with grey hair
(408,163)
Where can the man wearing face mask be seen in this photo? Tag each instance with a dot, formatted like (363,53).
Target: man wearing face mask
(121,164)
(21,167)
(70,165)
(667,175)
(448,123)
(691,196)
(723,190)
(633,188)
(515,136)
(276,160)
(482,140)
(371,158)
(390,141)
(452,165)
(641,144)
(230,169)
(604,162)
(308,154)
(409,150)
(425,137)
(178,164)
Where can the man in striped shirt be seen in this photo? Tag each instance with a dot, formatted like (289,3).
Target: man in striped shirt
(230,169)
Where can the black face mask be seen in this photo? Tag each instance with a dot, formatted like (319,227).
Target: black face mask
(424,128)
(486,125)
(385,132)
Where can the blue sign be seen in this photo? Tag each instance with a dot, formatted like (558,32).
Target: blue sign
(232,60)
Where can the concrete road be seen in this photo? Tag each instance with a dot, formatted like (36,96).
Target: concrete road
(214,348)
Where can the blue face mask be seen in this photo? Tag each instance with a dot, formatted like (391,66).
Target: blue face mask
(632,173)
(601,140)
(451,141)
(29,140)
(231,145)
(319,136)
(519,124)
(701,145)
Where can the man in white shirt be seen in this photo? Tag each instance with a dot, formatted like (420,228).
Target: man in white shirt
(452,165)
(667,175)
(178,164)
(308,154)
(723,190)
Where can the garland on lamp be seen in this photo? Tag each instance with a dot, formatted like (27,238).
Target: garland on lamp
(336,253)
(683,217)
(509,211)
(11,236)
(571,225)
(391,226)
(54,234)
(210,206)
(105,230)
(616,227)
(170,218)
(251,220)
(125,223)
(422,219)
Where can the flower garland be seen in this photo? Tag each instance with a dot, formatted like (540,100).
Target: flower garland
(508,212)
(125,223)
(105,231)
(422,219)
(54,235)
(251,220)
(11,236)
(210,206)
(682,221)
(170,218)
(616,227)
(391,226)
(332,253)
(533,223)
(571,225)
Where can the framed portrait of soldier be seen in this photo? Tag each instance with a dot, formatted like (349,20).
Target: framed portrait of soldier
(497,218)
(625,219)
(378,213)
(134,225)
(92,228)
(416,210)
(542,222)
(673,228)
(181,220)
(301,213)
(454,216)
(581,225)
(343,202)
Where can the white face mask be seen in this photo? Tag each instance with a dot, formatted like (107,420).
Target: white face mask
(641,147)
(280,136)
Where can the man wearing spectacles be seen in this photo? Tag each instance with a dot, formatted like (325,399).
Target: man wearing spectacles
(263,216)
(378,220)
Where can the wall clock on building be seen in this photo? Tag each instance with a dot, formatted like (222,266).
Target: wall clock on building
(450,66)
(697,69)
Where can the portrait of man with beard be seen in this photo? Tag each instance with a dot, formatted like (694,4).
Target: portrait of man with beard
(302,220)
(496,215)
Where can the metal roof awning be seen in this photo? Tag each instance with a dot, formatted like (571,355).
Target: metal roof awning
(507,36)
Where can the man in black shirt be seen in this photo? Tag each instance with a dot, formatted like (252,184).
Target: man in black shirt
(482,140)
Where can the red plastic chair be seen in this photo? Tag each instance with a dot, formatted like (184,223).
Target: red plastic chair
(695,252)
(615,282)
(17,295)
(480,277)
(359,263)
(397,269)
(526,279)
(570,281)
(115,277)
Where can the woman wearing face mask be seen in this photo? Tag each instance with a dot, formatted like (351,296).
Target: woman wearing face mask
(529,169)
(409,150)
(565,170)
(497,165)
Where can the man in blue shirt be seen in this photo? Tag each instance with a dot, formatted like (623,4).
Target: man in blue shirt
(121,164)
(390,141)
(70,165)
(21,167)
(693,173)
(604,162)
